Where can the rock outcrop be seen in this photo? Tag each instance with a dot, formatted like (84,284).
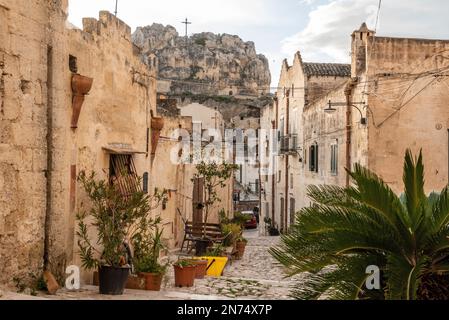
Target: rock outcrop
(205,63)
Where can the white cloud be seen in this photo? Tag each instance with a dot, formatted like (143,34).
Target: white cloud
(327,35)
(307,2)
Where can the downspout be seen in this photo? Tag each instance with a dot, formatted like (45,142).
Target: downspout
(49,169)
(287,158)
(273,180)
(348,93)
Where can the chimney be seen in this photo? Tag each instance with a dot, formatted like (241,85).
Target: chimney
(359,53)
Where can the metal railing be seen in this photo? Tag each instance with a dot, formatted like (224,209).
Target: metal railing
(289,144)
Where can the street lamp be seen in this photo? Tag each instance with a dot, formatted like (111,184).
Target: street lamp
(331,109)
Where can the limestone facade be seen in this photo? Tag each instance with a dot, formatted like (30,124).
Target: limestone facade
(42,151)
(399,86)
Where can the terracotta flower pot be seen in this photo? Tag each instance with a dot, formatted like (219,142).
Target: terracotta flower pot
(185,276)
(240,247)
(153,281)
(157,124)
(201,268)
(81,86)
(135,283)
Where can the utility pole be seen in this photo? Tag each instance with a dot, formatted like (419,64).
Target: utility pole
(187,22)
(116,7)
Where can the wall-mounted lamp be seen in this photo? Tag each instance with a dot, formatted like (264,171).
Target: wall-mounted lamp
(331,109)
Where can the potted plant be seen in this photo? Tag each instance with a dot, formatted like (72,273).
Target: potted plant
(147,248)
(216,250)
(185,273)
(201,268)
(233,231)
(215,176)
(240,247)
(114,217)
(271,228)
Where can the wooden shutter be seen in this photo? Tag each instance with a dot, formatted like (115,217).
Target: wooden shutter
(316,159)
(198,192)
(123,174)
(312,158)
(292,210)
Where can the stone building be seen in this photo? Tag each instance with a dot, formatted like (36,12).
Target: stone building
(392,97)
(35,100)
(300,85)
(76,100)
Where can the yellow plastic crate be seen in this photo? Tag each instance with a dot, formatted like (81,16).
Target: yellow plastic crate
(215,265)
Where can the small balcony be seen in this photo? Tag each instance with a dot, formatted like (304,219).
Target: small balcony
(289,145)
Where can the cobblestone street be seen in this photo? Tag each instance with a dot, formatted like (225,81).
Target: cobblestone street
(256,276)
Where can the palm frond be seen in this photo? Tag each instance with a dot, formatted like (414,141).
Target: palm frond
(345,280)
(403,277)
(415,197)
(374,193)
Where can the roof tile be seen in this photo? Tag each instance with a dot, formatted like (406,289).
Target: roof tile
(327,69)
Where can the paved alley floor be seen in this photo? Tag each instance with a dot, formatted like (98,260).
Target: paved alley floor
(256,277)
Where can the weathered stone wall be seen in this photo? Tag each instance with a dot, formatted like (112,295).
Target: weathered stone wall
(205,118)
(177,179)
(31,42)
(317,87)
(291,94)
(38,190)
(403,85)
(407,94)
(301,98)
(117,111)
(267,118)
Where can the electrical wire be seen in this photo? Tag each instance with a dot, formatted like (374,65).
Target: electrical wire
(374,37)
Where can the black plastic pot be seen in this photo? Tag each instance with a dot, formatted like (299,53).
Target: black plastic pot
(113,280)
(201,247)
(274,232)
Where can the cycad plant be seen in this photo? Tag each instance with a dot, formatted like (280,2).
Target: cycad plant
(349,229)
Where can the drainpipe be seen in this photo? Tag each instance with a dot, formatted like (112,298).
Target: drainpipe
(273,180)
(287,158)
(348,93)
(49,169)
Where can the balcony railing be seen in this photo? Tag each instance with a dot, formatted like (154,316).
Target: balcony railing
(289,144)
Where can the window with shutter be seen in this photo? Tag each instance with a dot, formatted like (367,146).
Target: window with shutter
(312,158)
(123,174)
(334,159)
(316,159)
(292,211)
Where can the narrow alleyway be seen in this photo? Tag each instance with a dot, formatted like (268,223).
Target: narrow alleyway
(256,276)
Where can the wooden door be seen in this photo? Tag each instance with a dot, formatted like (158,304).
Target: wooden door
(198,201)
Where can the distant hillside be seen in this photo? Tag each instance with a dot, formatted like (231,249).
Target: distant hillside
(206,63)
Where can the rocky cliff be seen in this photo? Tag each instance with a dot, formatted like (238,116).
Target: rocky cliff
(205,63)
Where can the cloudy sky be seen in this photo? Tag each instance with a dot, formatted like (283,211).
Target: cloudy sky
(320,29)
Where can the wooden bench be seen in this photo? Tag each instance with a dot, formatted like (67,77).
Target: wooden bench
(197,231)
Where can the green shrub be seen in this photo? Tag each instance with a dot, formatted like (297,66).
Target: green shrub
(240,219)
(233,231)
